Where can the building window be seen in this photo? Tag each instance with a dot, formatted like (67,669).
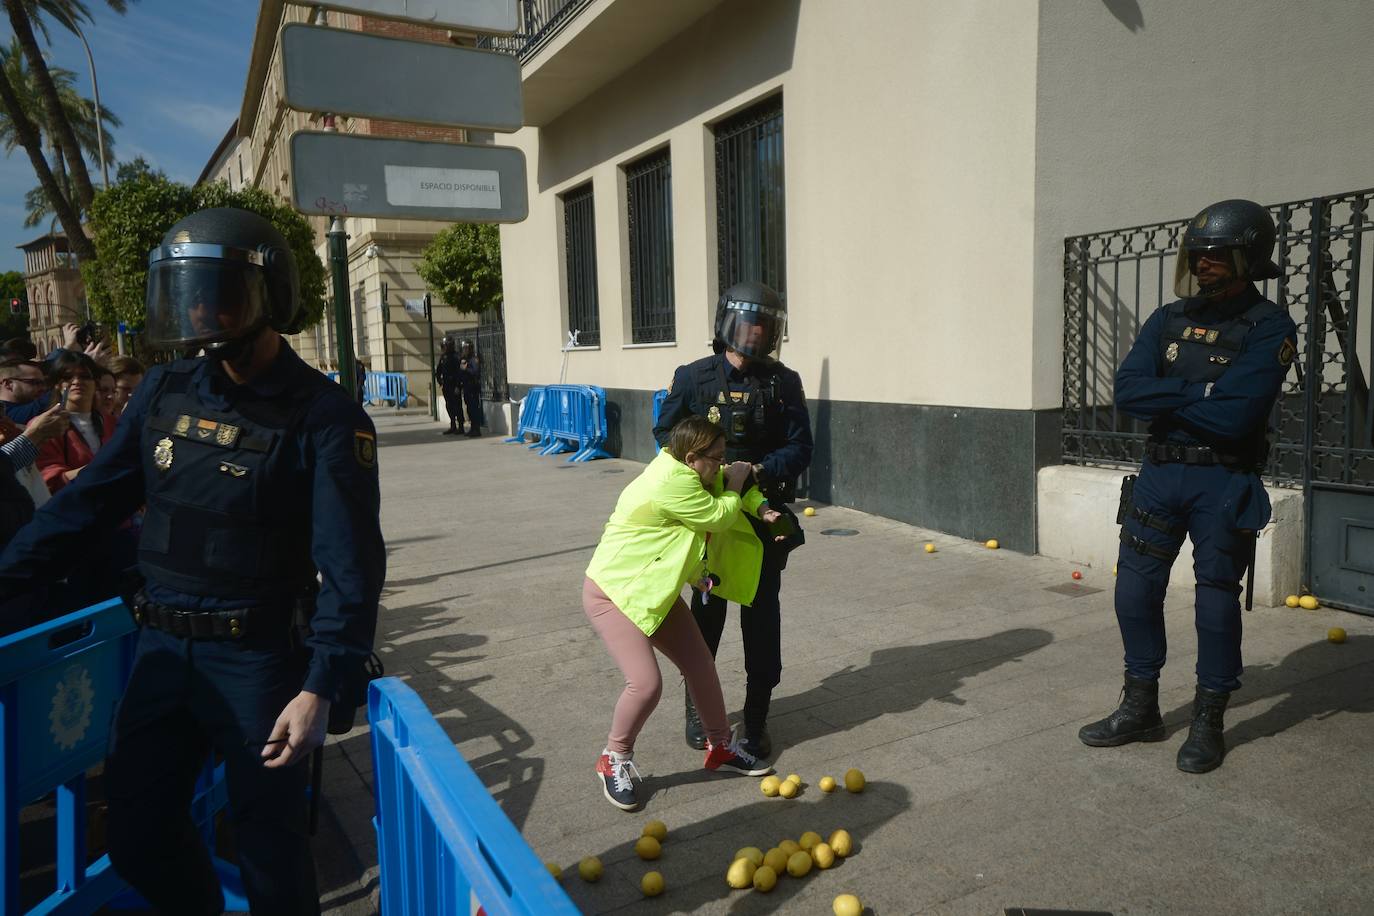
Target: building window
(750,199)
(649,212)
(579,251)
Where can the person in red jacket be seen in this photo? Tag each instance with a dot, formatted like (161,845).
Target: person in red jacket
(61,459)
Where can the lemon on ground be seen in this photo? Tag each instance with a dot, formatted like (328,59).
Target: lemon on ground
(847,905)
(741,874)
(775,859)
(1335,634)
(793,777)
(827,783)
(930,548)
(788,789)
(823,855)
(789,847)
(765,879)
(1291,601)
(590,869)
(842,843)
(656,829)
(651,884)
(648,848)
(769,786)
(554,870)
(991,544)
(808,839)
(809,510)
(798,864)
(854,780)
(1309,602)
(752,853)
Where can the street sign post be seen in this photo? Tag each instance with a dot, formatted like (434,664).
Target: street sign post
(350,175)
(371,76)
(476,15)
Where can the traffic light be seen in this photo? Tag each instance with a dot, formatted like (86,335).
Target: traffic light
(16,306)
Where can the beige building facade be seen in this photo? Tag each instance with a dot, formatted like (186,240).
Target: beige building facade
(927,162)
(56,293)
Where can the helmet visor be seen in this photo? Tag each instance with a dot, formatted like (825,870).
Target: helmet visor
(1189,276)
(752,330)
(203,301)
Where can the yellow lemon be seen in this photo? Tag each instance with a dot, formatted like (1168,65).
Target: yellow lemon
(827,783)
(554,870)
(752,853)
(854,780)
(648,848)
(809,511)
(1291,601)
(741,874)
(788,789)
(841,843)
(793,777)
(590,869)
(930,548)
(651,884)
(847,905)
(769,786)
(775,859)
(789,847)
(991,544)
(798,864)
(765,879)
(1309,602)
(823,855)
(808,839)
(1335,634)
(656,829)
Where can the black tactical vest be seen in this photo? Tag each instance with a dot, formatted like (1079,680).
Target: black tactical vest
(752,418)
(227,516)
(1202,351)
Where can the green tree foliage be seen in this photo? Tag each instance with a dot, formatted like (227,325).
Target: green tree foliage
(463,265)
(130,219)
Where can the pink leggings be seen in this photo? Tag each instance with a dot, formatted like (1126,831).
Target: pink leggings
(678,638)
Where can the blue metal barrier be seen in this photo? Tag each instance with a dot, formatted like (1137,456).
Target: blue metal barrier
(60,683)
(382,388)
(660,396)
(443,844)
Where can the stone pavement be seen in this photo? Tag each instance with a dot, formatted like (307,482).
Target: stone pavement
(956,681)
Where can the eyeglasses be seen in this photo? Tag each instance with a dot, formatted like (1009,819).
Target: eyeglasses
(715,459)
(79,377)
(39,382)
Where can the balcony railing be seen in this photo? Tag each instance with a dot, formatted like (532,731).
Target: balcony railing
(540,21)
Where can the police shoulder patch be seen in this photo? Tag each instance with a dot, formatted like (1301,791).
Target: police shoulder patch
(1287,351)
(365,448)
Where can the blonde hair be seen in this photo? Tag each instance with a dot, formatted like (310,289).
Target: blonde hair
(694,434)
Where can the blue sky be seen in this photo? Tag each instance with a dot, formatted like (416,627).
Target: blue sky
(172,70)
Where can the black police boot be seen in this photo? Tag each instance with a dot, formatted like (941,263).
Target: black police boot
(452,429)
(1136,719)
(1205,747)
(695,735)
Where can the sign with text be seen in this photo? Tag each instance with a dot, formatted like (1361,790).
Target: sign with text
(475,15)
(351,175)
(370,76)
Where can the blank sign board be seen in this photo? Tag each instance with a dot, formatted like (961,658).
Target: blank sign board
(348,175)
(474,15)
(368,76)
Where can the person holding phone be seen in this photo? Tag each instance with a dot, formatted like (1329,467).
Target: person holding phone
(656,542)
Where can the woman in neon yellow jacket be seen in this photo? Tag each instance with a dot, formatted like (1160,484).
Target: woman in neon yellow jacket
(654,544)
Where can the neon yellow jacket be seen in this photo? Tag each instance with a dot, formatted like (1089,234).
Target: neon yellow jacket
(655,542)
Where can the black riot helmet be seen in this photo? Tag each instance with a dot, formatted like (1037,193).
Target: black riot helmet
(750,319)
(1240,231)
(220,275)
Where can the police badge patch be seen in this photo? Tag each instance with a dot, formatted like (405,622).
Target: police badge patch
(1171,353)
(162,454)
(713,414)
(1287,352)
(365,448)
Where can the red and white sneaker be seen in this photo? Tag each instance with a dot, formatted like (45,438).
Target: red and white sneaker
(617,774)
(733,757)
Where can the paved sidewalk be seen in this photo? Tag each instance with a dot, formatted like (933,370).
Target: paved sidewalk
(956,681)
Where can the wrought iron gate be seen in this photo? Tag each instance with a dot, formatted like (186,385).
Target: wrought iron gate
(1323,422)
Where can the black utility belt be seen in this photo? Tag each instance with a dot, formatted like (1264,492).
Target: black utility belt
(234,623)
(1177,453)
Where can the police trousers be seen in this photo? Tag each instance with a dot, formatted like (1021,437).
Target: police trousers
(184,699)
(1192,499)
(761,626)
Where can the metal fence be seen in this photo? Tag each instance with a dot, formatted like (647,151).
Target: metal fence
(540,20)
(750,197)
(1322,421)
(491,352)
(649,212)
(579,251)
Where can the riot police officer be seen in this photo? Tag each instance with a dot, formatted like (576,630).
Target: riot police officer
(470,376)
(257,473)
(1205,371)
(449,377)
(760,404)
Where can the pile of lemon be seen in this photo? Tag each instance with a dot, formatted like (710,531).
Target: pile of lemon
(791,787)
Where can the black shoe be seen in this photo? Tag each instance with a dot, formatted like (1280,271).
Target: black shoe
(1136,719)
(617,780)
(1205,747)
(757,743)
(474,433)
(451,431)
(695,735)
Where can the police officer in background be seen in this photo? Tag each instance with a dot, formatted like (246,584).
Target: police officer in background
(760,405)
(470,376)
(450,380)
(1205,371)
(257,472)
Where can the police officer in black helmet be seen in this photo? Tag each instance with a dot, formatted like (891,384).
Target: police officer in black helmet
(258,473)
(1205,371)
(760,405)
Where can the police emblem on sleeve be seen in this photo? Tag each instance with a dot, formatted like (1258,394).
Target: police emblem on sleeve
(73,700)
(1287,352)
(1171,353)
(713,414)
(365,448)
(162,454)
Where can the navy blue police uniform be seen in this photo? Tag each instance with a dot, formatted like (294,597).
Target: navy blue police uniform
(471,378)
(449,377)
(250,491)
(762,409)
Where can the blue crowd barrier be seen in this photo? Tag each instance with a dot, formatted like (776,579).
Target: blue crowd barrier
(60,683)
(443,844)
(565,418)
(660,396)
(382,388)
